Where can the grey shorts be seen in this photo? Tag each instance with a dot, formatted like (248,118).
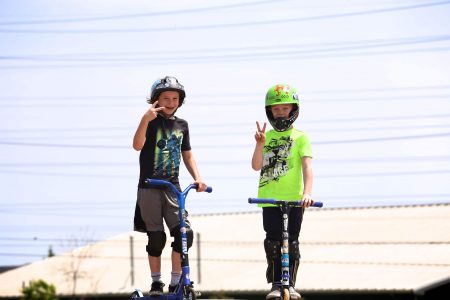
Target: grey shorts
(152,207)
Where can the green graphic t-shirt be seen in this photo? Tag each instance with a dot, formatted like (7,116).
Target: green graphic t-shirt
(281,173)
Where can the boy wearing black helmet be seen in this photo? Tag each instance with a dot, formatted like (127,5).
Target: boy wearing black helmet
(283,155)
(163,140)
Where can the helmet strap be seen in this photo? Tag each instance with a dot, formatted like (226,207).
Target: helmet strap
(282,124)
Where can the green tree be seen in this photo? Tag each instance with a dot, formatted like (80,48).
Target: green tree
(39,290)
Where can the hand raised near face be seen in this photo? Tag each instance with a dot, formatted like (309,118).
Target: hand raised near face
(152,112)
(260,135)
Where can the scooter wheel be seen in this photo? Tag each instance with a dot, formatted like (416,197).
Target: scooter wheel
(286,295)
(189,293)
(137,294)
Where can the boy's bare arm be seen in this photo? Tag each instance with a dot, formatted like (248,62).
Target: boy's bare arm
(307,180)
(191,166)
(139,136)
(257,159)
(260,138)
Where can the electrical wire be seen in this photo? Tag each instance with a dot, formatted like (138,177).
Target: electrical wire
(241,52)
(229,95)
(232,25)
(140,15)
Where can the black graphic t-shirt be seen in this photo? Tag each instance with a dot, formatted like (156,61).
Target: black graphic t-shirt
(160,157)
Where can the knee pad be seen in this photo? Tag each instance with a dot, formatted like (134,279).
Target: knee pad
(273,255)
(176,244)
(294,261)
(156,243)
(273,249)
(294,250)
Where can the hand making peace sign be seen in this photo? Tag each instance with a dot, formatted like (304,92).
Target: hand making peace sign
(152,113)
(260,135)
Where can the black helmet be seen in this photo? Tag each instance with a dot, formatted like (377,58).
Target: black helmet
(168,83)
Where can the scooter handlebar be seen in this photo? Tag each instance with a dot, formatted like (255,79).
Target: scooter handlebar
(276,202)
(169,184)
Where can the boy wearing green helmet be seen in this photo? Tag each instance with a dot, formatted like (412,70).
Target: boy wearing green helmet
(283,157)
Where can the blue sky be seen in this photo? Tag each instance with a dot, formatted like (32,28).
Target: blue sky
(372,76)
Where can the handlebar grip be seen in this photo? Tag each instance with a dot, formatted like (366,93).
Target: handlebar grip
(209,189)
(258,200)
(317,204)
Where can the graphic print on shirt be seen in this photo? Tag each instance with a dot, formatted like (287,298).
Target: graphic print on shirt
(275,163)
(168,153)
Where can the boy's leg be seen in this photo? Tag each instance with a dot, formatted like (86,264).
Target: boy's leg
(176,261)
(272,223)
(176,271)
(154,263)
(171,216)
(156,243)
(295,222)
(155,267)
(176,256)
(150,208)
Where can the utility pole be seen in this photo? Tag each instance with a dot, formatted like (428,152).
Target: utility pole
(199,269)
(131,260)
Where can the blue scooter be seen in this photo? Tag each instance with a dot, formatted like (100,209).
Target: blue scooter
(185,288)
(285,206)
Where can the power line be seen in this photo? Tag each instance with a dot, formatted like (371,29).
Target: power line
(236,24)
(240,125)
(92,242)
(342,141)
(238,54)
(70,164)
(236,260)
(47,145)
(62,174)
(228,177)
(92,205)
(200,60)
(233,134)
(382,174)
(248,102)
(380,160)
(229,95)
(139,15)
(356,160)
(394,138)
(243,52)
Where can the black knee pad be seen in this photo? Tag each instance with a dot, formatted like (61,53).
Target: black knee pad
(294,250)
(273,255)
(176,244)
(294,261)
(273,249)
(156,243)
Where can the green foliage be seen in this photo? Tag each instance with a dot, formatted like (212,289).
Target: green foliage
(39,290)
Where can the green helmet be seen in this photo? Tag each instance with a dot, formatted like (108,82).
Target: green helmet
(282,94)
